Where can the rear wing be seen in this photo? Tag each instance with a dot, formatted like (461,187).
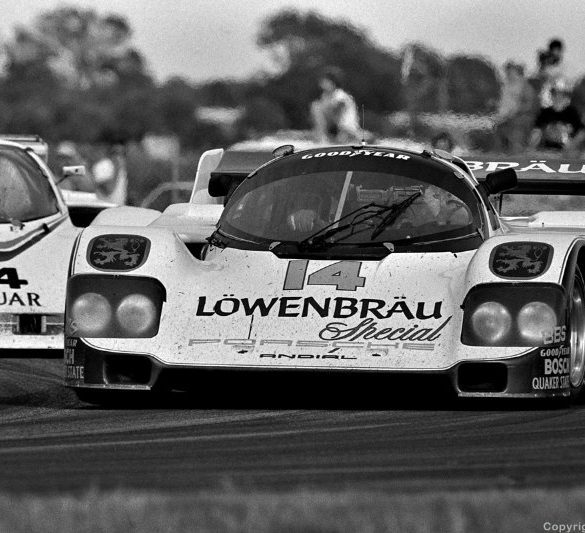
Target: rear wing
(549,174)
(544,175)
(34,143)
(233,168)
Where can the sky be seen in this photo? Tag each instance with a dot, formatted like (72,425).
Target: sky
(206,39)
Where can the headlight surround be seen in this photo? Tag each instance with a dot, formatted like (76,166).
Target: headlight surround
(107,306)
(513,314)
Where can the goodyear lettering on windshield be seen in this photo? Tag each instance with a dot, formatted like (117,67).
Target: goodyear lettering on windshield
(354,153)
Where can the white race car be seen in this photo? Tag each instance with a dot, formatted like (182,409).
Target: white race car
(36,239)
(348,259)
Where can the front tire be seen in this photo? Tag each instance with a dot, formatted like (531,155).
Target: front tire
(577,344)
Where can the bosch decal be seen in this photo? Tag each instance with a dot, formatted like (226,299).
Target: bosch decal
(118,252)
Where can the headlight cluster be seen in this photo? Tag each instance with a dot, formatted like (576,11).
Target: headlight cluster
(114,307)
(527,314)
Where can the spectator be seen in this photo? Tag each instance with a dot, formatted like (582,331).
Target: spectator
(110,175)
(444,141)
(67,155)
(560,126)
(334,114)
(515,115)
(551,70)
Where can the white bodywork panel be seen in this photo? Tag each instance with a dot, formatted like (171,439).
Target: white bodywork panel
(213,313)
(42,260)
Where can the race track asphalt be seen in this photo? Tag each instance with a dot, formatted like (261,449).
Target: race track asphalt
(51,442)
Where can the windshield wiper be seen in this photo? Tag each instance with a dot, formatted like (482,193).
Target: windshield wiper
(474,233)
(395,212)
(334,228)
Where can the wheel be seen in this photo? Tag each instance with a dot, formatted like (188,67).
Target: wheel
(577,344)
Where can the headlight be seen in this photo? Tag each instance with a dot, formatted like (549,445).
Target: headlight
(491,321)
(136,314)
(507,314)
(116,307)
(91,313)
(534,319)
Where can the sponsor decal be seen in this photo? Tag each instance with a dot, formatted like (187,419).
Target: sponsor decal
(73,370)
(555,369)
(353,153)
(117,252)
(373,315)
(339,307)
(550,383)
(373,349)
(370,329)
(74,362)
(521,260)
(556,335)
(305,356)
(535,165)
(23,299)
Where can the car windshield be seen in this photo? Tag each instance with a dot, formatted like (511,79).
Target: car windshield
(25,193)
(374,201)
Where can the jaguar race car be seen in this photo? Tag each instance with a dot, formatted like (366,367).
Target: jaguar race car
(346,259)
(36,238)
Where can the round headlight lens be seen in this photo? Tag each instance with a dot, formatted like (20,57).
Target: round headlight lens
(91,314)
(534,319)
(491,322)
(136,314)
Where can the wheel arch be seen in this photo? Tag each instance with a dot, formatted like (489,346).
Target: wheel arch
(576,258)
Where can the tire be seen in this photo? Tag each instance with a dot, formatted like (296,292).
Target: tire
(577,342)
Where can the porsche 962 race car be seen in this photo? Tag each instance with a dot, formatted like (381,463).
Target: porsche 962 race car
(36,238)
(343,259)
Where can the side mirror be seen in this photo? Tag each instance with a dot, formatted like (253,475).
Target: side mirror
(500,181)
(67,172)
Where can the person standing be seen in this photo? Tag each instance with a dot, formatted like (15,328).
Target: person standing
(560,126)
(110,175)
(334,115)
(516,111)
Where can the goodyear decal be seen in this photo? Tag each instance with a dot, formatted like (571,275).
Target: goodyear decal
(117,252)
(521,260)
(354,153)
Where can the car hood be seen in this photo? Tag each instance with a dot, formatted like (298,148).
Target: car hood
(250,308)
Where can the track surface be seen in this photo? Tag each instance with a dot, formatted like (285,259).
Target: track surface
(51,442)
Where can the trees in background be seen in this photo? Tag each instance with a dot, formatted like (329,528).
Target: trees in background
(76,74)
(303,44)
